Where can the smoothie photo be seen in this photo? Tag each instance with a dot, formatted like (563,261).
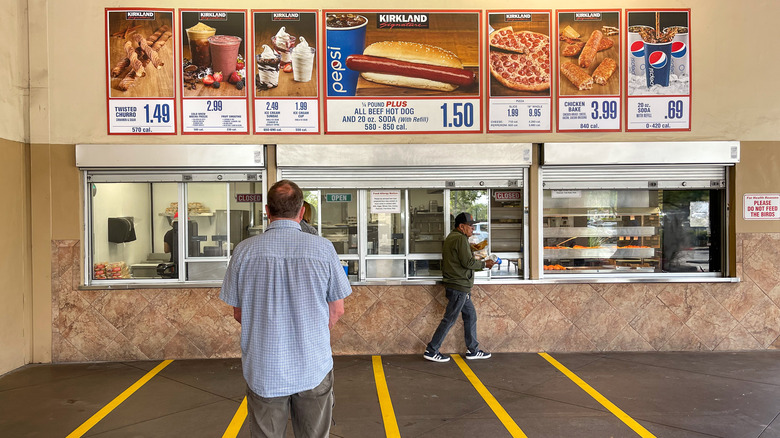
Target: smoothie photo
(224,52)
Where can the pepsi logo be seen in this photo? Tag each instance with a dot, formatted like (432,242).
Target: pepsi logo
(638,48)
(679,49)
(657,59)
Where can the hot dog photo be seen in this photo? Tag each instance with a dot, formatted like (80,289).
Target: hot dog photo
(589,53)
(402,53)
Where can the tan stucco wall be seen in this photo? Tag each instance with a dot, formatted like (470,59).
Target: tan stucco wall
(758,172)
(16,329)
(14,105)
(16,314)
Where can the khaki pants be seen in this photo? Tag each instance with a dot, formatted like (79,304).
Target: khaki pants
(311,412)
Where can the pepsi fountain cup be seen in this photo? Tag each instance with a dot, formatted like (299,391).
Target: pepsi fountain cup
(658,63)
(345,34)
(636,47)
(680,65)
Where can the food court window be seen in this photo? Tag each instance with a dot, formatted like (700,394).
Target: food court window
(387,208)
(661,213)
(399,233)
(138,230)
(633,231)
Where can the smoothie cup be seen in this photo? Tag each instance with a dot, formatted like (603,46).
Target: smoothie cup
(224,53)
(198,37)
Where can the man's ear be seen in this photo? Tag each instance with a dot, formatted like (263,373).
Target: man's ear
(300,214)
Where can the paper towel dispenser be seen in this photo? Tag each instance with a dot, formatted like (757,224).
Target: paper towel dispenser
(121,229)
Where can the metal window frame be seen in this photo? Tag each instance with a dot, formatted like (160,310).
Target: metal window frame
(180,176)
(637,166)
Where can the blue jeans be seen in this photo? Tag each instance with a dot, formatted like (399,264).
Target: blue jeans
(460,303)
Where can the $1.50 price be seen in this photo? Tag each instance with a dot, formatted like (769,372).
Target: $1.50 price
(462,115)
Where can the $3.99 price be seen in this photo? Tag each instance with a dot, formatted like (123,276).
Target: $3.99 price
(607,110)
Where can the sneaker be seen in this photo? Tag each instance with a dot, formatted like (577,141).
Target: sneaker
(435,357)
(479,354)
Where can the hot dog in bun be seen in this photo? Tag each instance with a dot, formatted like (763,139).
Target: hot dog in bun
(411,65)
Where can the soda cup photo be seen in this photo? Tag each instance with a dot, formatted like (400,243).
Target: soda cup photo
(636,47)
(658,62)
(680,66)
(345,34)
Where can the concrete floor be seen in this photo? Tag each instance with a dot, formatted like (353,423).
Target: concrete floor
(665,394)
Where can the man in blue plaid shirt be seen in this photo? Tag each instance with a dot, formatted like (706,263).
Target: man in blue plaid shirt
(287,289)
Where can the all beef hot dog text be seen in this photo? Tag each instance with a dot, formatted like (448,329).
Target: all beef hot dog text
(411,65)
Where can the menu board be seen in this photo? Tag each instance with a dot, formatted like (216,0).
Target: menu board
(285,71)
(588,70)
(140,71)
(402,71)
(519,92)
(213,76)
(658,73)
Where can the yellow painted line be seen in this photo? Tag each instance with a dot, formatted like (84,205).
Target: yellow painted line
(630,422)
(388,415)
(502,415)
(87,425)
(238,420)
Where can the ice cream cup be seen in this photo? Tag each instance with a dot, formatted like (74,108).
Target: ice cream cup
(302,63)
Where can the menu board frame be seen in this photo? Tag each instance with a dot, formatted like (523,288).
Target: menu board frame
(317,72)
(247,88)
(618,98)
(627,53)
(172,112)
(530,96)
(453,117)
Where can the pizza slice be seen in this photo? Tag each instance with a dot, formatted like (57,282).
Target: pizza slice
(519,72)
(506,39)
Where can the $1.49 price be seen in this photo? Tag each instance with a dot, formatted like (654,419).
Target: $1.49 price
(161,113)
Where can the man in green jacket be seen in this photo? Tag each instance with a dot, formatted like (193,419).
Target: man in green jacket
(458,266)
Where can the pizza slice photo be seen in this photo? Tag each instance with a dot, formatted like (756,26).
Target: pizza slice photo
(519,60)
